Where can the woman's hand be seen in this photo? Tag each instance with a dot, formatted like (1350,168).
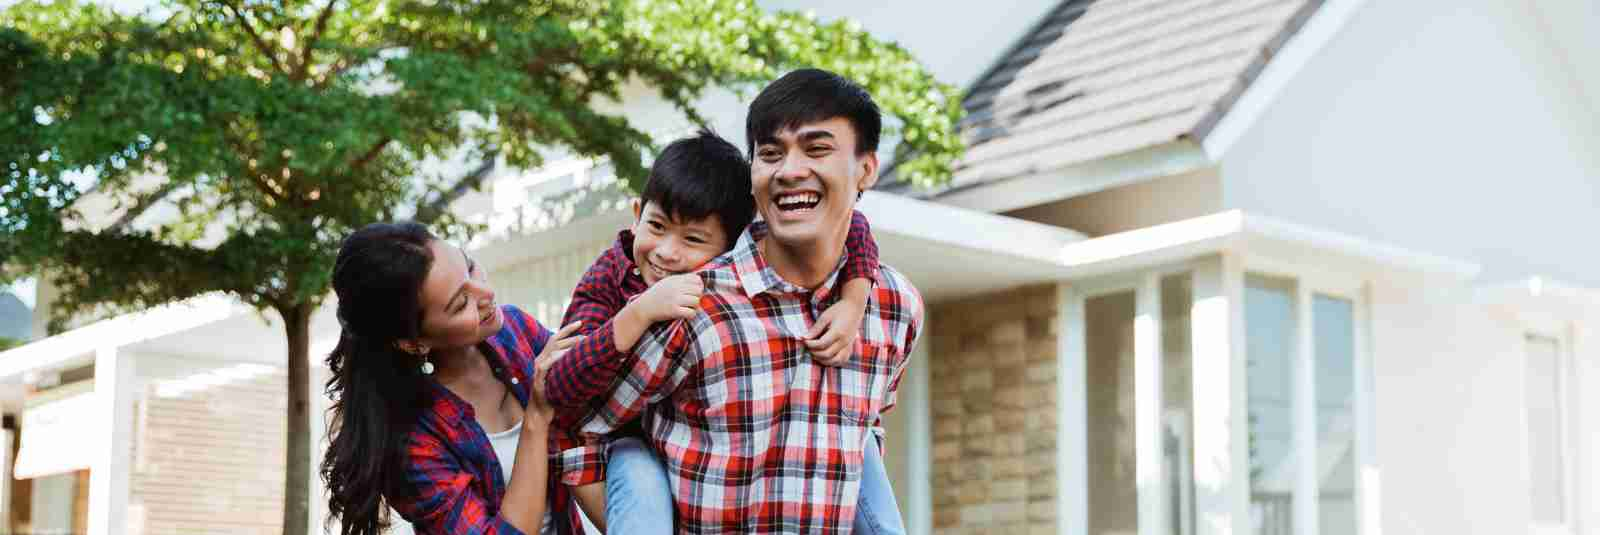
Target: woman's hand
(539,409)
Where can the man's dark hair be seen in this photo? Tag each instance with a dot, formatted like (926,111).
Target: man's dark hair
(701,175)
(807,96)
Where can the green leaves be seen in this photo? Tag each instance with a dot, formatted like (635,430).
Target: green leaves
(273,128)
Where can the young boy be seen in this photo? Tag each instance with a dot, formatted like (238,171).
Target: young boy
(695,202)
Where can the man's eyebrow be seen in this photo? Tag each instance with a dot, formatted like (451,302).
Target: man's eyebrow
(815,135)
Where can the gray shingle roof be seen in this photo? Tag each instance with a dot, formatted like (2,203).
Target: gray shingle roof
(1099,78)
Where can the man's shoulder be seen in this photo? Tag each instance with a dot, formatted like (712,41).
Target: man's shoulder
(894,284)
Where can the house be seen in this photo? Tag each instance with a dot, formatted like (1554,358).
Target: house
(1209,267)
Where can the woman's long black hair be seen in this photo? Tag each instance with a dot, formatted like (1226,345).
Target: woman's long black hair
(376,387)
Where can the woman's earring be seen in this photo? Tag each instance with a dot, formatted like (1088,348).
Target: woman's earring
(427,367)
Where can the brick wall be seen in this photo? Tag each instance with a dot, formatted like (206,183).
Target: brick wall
(994,413)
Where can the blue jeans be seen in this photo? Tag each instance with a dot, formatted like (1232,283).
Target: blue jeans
(639,498)
(877,512)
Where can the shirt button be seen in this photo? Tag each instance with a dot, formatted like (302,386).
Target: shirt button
(514,380)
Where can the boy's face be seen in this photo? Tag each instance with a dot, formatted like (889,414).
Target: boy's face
(805,181)
(665,245)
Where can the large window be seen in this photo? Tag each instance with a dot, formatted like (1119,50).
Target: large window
(1302,380)
(1544,393)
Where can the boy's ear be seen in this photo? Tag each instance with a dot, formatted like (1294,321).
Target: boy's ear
(869,169)
(638,209)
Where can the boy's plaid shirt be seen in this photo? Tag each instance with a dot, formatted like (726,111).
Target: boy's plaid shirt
(591,368)
(758,438)
(453,482)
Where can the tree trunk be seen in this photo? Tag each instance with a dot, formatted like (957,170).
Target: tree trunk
(297,478)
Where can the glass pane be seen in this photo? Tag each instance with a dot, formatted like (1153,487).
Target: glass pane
(1177,295)
(1544,431)
(1108,336)
(1334,335)
(1269,347)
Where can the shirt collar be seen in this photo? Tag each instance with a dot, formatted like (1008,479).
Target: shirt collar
(756,276)
(455,411)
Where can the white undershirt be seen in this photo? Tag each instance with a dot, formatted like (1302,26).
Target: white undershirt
(505,448)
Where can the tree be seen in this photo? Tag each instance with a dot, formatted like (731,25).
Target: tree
(278,126)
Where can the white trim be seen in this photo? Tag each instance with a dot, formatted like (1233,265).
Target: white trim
(1261,236)
(81,343)
(1307,474)
(1099,174)
(919,437)
(1221,431)
(1324,24)
(1072,426)
(964,228)
(521,248)
(1564,412)
(114,377)
(1150,472)
(1369,510)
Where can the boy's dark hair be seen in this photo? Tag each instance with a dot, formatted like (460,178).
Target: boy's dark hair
(701,175)
(807,96)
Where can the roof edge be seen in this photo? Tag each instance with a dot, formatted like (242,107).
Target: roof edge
(1313,27)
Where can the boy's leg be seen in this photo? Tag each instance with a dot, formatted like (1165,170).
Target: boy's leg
(638,496)
(877,511)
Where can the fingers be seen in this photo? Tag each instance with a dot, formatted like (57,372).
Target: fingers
(816,328)
(567,331)
(550,360)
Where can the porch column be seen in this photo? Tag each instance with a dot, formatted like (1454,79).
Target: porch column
(113,455)
(1221,425)
(1369,497)
(1072,427)
(1307,464)
(915,400)
(1149,458)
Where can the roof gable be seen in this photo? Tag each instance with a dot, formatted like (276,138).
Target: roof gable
(1097,79)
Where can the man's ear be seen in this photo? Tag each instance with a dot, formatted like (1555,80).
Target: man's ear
(638,208)
(869,171)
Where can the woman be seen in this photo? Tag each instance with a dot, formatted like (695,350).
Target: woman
(434,411)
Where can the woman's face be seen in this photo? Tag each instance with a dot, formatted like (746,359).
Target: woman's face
(458,307)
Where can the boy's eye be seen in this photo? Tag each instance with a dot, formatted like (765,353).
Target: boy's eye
(818,150)
(656,226)
(696,240)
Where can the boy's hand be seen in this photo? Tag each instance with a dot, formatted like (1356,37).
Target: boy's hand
(674,297)
(832,339)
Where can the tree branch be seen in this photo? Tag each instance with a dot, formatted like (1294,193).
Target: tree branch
(316,33)
(370,154)
(143,203)
(430,211)
(266,49)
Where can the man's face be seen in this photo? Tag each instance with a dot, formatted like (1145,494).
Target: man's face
(805,181)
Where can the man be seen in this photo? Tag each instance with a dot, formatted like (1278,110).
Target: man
(756,436)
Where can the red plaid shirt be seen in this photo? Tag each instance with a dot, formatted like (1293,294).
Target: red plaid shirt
(594,365)
(757,437)
(453,482)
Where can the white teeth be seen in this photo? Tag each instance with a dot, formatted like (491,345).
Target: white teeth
(798,198)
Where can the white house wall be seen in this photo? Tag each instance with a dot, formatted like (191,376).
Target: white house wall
(1444,126)
(1449,412)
